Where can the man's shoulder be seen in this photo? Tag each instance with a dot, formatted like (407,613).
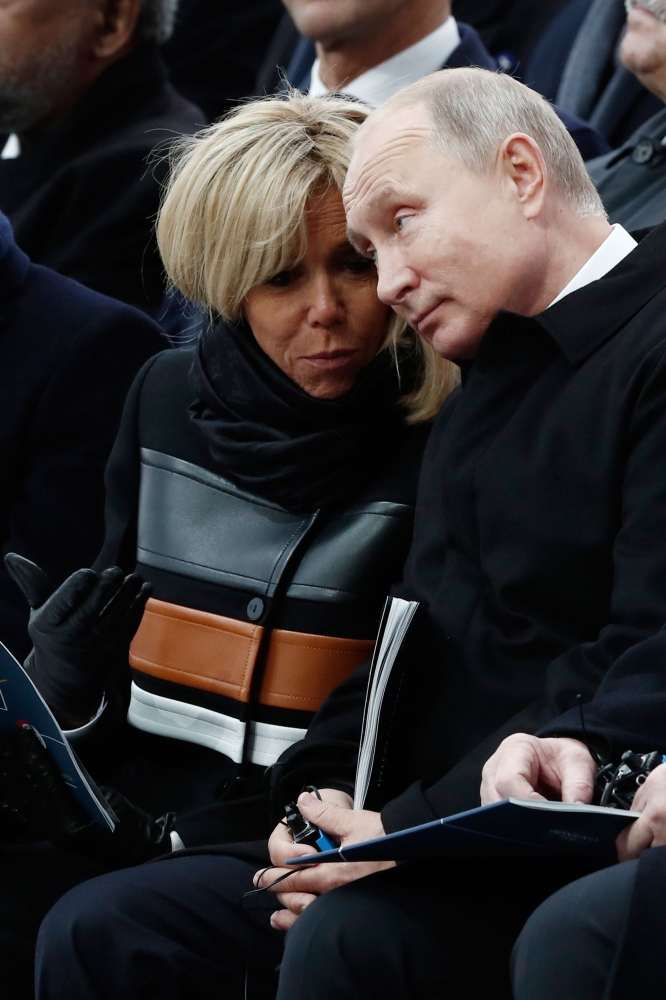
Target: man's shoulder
(55,310)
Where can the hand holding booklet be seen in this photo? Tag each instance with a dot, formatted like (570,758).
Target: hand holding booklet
(512,828)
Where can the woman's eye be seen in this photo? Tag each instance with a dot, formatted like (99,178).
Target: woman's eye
(360,265)
(281,280)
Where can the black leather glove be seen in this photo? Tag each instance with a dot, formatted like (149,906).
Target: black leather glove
(36,804)
(80,632)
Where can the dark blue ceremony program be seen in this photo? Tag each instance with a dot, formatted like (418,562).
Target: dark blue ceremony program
(518,828)
(20,702)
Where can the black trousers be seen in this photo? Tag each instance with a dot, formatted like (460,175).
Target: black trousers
(570,946)
(179,928)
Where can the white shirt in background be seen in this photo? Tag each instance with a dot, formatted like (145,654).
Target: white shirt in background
(381,82)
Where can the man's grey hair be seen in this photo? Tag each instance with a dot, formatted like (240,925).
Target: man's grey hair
(473,111)
(157,20)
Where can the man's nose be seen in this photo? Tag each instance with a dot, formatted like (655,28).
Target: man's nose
(395,280)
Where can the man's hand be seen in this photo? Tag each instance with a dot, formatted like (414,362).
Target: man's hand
(650,829)
(334,815)
(525,767)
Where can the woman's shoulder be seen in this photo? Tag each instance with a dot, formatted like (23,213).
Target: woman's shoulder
(166,394)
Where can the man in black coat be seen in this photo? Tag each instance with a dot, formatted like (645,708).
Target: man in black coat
(86,99)
(603,935)
(370,50)
(68,357)
(538,559)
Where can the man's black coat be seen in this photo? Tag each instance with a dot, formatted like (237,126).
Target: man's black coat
(67,358)
(83,199)
(539,550)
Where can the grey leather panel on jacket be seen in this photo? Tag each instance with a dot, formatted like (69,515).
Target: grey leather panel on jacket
(200,525)
(354,554)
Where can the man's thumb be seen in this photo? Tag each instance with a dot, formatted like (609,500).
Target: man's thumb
(326,815)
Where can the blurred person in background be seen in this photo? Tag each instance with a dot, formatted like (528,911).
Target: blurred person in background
(84,99)
(632,180)
(217,49)
(575,64)
(67,359)
(370,49)
(263,483)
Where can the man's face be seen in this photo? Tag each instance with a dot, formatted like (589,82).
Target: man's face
(452,247)
(329,21)
(643,49)
(41,44)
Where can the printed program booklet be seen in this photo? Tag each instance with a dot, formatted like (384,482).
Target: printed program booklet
(21,702)
(518,828)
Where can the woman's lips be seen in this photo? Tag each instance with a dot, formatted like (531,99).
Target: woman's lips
(330,359)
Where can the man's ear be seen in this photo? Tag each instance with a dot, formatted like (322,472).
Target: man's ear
(116,28)
(523,173)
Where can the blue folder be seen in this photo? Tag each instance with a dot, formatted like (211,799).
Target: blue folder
(518,828)
(21,702)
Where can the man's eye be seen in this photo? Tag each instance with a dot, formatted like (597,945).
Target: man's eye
(281,280)
(401,220)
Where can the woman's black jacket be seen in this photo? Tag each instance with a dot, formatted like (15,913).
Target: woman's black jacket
(290,591)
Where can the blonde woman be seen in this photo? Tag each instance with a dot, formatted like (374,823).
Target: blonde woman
(262,482)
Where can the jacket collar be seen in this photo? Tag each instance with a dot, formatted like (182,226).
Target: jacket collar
(609,303)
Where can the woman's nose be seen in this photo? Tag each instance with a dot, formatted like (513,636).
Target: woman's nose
(326,306)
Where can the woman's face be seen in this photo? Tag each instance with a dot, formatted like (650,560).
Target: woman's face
(322,321)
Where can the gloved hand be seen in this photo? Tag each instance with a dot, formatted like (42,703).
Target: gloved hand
(80,632)
(36,804)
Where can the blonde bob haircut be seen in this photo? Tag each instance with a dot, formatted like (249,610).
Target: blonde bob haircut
(233,213)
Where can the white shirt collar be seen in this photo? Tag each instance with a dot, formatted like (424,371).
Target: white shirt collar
(617,245)
(381,82)
(11,149)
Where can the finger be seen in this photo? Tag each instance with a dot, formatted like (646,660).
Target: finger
(514,786)
(578,779)
(282,920)
(282,848)
(69,596)
(296,902)
(633,840)
(30,578)
(328,816)
(89,611)
(117,609)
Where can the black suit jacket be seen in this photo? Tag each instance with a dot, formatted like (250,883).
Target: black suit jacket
(83,199)
(539,549)
(67,359)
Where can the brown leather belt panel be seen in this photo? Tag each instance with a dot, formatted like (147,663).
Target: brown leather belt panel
(197,649)
(218,654)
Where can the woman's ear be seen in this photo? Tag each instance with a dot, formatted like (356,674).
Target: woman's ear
(524,175)
(116,28)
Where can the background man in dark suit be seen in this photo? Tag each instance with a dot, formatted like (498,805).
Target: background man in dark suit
(370,49)
(85,98)
(632,180)
(67,359)
(575,65)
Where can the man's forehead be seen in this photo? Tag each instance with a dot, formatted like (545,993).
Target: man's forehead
(380,160)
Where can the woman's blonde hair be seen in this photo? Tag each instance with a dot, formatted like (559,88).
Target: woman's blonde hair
(234,212)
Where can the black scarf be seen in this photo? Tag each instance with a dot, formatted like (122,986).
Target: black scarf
(272,439)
